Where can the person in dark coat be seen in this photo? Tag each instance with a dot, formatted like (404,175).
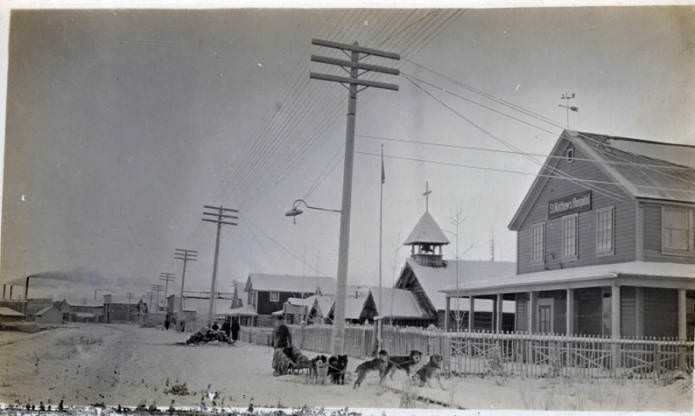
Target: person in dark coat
(227,326)
(235,330)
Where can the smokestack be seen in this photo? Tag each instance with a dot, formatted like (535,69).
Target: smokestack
(4,288)
(26,289)
(11,287)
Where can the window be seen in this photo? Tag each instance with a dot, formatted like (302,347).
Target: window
(676,229)
(570,155)
(604,231)
(569,236)
(537,243)
(275,296)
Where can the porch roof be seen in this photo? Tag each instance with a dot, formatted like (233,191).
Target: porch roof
(655,274)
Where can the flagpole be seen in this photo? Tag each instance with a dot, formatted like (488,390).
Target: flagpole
(381,216)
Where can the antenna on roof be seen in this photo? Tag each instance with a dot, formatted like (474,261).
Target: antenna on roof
(566,97)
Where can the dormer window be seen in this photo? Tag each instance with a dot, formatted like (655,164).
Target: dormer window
(570,155)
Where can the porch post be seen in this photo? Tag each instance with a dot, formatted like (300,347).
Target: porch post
(471,313)
(569,313)
(681,315)
(531,311)
(615,311)
(639,312)
(615,325)
(499,312)
(447,310)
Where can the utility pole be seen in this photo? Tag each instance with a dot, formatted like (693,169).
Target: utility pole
(381,232)
(185,255)
(355,68)
(130,299)
(457,221)
(157,288)
(220,216)
(166,278)
(566,97)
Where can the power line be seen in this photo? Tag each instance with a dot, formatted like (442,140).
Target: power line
(488,95)
(513,152)
(407,75)
(512,171)
(607,193)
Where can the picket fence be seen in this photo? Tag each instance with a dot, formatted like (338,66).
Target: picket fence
(508,353)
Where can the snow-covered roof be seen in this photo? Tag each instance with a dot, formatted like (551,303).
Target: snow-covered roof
(308,301)
(426,231)
(246,310)
(397,303)
(670,170)
(435,279)
(577,274)
(323,303)
(44,310)
(5,311)
(85,315)
(354,304)
(290,283)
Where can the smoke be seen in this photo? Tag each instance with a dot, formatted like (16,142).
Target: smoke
(79,276)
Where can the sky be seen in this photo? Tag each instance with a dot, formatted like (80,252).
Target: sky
(122,124)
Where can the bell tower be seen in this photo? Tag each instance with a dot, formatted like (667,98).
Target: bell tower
(427,239)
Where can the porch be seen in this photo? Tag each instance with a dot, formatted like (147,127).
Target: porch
(593,302)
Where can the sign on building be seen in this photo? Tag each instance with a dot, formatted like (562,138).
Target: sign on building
(570,204)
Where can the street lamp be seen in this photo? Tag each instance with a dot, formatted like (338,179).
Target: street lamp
(296,211)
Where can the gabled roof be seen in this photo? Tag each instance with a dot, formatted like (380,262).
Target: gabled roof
(646,169)
(397,303)
(435,279)
(426,231)
(4,311)
(642,168)
(290,283)
(44,310)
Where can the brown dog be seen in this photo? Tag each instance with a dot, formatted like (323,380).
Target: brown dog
(433,369)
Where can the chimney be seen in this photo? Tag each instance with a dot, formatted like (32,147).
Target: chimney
(11,286)
(4,288)
(26,289)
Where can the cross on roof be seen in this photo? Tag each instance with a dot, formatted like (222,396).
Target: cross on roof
(426,194)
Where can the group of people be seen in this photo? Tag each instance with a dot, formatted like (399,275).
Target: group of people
(228,332)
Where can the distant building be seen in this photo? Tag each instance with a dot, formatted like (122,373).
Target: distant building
(268,292)
(8,315)
(426,273)
(120,309)
(605,241)
(49,315)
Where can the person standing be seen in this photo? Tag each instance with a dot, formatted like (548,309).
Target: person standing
(235,330)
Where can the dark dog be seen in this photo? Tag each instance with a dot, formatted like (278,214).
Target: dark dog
(377,364)
(402,362)
(337,366)
(433,369)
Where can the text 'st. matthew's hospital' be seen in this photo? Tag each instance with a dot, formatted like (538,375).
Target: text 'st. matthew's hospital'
(604,242)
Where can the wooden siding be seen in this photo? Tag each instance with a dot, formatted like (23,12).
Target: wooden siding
(660,312)
(588,308)
(651,214)
(266,307)
(628,313)
(623,215)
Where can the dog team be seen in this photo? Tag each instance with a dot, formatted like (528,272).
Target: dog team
(320,369)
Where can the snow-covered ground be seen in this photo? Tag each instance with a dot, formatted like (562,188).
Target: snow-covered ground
(121,364)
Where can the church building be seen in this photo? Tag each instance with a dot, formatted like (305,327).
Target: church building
(427,273)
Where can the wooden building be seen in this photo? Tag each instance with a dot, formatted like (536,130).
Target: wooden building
(426,274)
(605,242)
(268,292)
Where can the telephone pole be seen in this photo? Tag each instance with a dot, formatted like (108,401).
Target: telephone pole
(220,216)
(185,255)
(166,278)
(157,288)
(354,84)
(130,300)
